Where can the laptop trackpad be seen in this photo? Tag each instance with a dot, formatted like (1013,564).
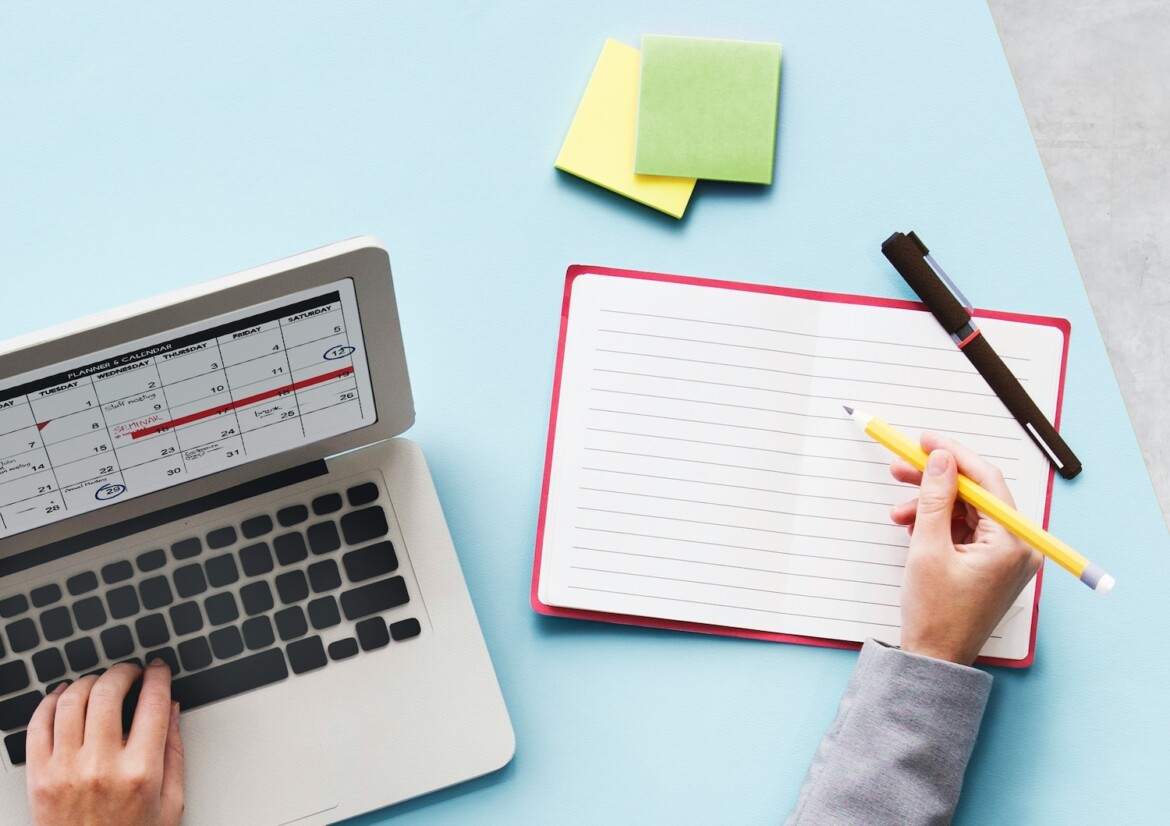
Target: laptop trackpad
(245,765)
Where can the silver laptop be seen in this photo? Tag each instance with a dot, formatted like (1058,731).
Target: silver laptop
(211,477)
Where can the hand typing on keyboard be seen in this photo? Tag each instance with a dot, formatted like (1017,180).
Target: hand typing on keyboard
(82,771)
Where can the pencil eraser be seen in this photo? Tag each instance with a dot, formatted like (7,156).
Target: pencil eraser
(1105,584)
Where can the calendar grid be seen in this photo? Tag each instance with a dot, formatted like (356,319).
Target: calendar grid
(277,375)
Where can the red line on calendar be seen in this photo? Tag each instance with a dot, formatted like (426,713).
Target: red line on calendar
(238,403)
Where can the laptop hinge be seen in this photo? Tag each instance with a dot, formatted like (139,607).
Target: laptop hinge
(120,530)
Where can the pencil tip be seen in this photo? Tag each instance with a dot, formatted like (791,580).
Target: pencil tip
(848,410)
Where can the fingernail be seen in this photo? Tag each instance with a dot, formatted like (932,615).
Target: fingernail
(60,688)
(157,661)
(937,464)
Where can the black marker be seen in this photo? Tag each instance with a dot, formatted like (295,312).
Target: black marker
(914,263)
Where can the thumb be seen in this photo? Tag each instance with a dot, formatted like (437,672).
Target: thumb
(936,500)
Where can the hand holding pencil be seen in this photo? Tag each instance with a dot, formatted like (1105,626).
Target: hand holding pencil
(963,571)
(987,503)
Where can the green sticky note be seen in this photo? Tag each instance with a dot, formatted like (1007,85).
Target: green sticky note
(707,109)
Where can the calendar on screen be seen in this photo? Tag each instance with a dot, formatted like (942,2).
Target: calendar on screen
(195,400)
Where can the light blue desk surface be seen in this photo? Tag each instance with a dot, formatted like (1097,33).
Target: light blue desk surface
(148,146)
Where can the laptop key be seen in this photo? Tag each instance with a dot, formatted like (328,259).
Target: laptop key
(167,655)
(151,560)
(13,677)
(374,598)
(22,635)
(49,665)
(323,613)
(187,548)
(45,595)
(324,576)
(369,562)
(290,623)
(372,633)
(155,592)
(306,655)
(256,559)
(89,613)
(195,654)
(16,713)
(117,572)
(186,618)
(256,526)
(323,538)
(122,602)
(15,745)
(117,642)
(221,538)
(81,654)
(405,629)
(81,583)
(290,548)
(257,598)
(13,606)
(152,631)
(226,642)
(326,504)
(229,679)
(292,586)
(258,633)
(293,515)
(364,525)
(343,649)
(221,608)
(222,570)
(362,494)
(189,580)
(56,624)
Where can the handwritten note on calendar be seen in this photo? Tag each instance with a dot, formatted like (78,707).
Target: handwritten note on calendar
(702,469)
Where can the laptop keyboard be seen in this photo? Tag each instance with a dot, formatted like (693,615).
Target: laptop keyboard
(237,608)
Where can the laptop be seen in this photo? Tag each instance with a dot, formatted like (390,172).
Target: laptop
(213,477)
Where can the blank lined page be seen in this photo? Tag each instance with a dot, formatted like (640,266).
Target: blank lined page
(703,469)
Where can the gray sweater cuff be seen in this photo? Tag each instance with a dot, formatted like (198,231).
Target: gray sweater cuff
(899,746)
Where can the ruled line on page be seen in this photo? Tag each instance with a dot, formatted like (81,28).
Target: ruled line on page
(884,524)
(818,336)
(957,370)
(794,393)
(803,534)
(736,567)
(820,416)
(802,614)
(742,447)
(901,385)
(738,487)
(744,467)
(848,559)
(855,440)
(709,584)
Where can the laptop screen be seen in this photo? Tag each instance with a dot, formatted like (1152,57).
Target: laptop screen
(156,412)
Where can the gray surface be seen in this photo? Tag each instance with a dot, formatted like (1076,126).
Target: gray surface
(1092,75)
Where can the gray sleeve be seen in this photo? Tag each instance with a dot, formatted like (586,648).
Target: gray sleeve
(898,748)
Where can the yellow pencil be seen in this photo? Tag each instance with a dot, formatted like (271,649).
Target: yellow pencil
(972,493)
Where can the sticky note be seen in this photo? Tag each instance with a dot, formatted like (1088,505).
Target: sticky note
(707,108)
(600,143)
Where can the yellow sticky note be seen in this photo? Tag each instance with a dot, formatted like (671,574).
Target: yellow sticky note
(600,143)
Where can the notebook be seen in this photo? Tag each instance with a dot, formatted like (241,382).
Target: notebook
(213,478)
(701,474)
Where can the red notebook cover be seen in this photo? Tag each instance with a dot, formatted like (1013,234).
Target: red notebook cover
(600,616)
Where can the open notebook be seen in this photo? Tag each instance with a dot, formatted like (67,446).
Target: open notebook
(702,475)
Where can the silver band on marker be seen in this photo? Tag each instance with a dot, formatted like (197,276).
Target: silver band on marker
(1044,445)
